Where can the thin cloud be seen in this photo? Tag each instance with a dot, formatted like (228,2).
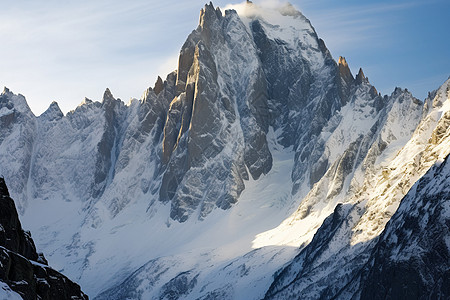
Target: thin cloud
(350,25)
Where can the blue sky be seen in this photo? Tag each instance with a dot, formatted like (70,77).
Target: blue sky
(66,50)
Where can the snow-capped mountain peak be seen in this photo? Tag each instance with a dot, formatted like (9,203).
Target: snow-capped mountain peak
(260,151)
(53,112)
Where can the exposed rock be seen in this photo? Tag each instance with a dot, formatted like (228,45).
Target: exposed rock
(339,267)
(347,81)
(411,258)
(344,70)
(159,86)
(53,113)
(178,286)
(288,283)
(360,78)
(12,236)
(107,147)
(202,121)
(21,268)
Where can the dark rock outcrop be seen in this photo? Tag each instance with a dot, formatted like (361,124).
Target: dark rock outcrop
(347,80)
(21,268)
(180,285)
(360,78)
(159,86)
(107,146)
(12,236)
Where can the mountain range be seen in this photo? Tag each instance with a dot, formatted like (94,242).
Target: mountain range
(260,169)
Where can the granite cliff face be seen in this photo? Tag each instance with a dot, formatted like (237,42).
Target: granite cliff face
(260,151)
(22,269)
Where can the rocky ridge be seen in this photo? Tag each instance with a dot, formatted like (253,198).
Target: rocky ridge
(347,242)
(25,271)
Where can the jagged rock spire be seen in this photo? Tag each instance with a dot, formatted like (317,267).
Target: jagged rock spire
(347,80)
(209,14)
(159,86)
(344,70)
(107,94)
(18,267)
(360,78)
(86,100)
(5,90)
(3,188)
(342,61)
(53,112)
(108,99)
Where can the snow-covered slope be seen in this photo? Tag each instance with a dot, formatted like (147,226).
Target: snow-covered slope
(343,245)
(411,258)
(222,173)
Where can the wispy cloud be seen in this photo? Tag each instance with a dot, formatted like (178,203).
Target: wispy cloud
(346,25)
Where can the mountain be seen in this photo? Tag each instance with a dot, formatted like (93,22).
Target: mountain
(411,258)
(24,273)
(259,155)
(349,239)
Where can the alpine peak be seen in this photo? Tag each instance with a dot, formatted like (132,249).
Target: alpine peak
(360,78)
(344,70)
(53,112)
(85,101)
(159,86)
(342,61)
(5,91)
(208,14)
(107,95)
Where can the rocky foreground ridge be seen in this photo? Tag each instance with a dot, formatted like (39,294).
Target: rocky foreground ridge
(22,269)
